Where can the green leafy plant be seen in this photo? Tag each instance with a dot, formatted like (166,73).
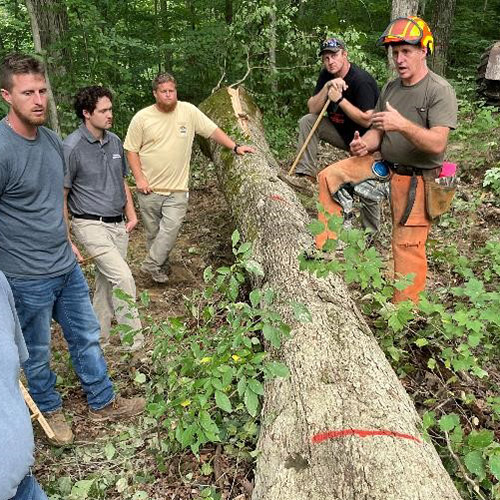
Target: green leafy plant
(210,367)
(492,180)
(475,456)
(457,330)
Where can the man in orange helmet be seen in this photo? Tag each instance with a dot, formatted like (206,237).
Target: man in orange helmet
(410,127)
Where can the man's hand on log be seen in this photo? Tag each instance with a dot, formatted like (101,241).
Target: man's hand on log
(243,150)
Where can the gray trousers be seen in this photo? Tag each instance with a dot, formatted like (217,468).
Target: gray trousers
(109,242)
(162,216)
(308,164)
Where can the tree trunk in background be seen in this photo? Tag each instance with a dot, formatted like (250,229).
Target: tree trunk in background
(165,34)
(272,47)
(340,380)
(403,8)
(442,19)
(228,12)
(49,23)
(190,4)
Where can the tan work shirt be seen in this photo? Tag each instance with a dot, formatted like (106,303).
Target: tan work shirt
(164,143)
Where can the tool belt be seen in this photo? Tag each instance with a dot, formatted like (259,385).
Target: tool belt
(438,196)
(115,219)
(407,170)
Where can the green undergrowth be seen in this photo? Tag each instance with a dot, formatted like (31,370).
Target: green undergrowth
(475,143)
(210,365)
(204,390)
(452,337)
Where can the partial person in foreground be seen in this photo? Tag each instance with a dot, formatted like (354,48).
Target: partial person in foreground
(410,128)
(37,257)
(353,93)
(16,437)
(99,200)
(159,144)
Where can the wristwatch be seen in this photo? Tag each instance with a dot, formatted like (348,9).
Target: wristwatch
(236,146)
(340,100)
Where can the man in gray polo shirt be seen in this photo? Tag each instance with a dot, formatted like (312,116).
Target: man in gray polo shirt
(97,195)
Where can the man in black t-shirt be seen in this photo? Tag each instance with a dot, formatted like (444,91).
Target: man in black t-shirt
(353,94)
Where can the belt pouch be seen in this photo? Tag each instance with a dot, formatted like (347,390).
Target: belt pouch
(439,194)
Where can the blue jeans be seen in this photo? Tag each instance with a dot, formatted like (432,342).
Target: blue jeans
(65,299)
(29,489)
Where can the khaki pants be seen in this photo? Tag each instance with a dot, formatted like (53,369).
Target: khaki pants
(112,272)
(349,171)
(308,164)
(408,241)
(162,216)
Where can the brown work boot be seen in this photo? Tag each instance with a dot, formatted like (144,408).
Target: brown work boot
(157,275)
(63,434)
(120,408)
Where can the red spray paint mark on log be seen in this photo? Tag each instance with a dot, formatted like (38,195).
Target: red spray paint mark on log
(318,438)
(277,197)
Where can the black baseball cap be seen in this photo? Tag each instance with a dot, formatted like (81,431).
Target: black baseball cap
(331,45)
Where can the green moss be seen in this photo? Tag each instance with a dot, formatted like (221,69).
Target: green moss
(219,108)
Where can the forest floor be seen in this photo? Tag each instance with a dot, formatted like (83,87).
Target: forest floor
(120,460)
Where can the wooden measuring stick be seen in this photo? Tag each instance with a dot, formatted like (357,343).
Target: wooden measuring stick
(36,413)
(159,190)
(308,138)
(90,259)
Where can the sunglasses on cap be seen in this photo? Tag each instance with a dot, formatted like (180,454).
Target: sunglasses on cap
(331,44)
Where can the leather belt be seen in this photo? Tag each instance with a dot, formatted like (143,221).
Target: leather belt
(116,218)
(407,170)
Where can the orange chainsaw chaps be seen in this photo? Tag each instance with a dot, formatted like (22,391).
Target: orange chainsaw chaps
(351,170)
(408,241)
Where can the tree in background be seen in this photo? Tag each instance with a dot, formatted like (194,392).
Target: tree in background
(49,25)
(441,23)
(270,45)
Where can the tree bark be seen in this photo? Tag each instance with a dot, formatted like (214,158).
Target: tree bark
(442,20)
(404,8)
(340,379)
(272,47)
(45,31)
(228,12)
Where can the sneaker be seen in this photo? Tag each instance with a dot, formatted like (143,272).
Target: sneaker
(158,276)
(63,434)
(120,408)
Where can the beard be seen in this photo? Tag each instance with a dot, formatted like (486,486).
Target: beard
(29,119)
(166,108)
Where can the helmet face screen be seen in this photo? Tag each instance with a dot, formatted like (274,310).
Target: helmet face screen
(402,30)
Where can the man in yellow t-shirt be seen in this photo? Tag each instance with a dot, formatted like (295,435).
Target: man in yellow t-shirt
(159,143)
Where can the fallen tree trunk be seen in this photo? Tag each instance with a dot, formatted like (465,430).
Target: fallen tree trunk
(342,426)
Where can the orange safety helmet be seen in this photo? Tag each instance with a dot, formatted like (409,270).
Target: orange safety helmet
(412,30)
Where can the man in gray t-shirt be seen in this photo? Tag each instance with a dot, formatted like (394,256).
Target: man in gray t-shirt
(16,433)
(97,195)
(36,256)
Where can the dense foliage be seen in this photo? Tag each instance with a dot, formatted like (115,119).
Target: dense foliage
(272,44)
